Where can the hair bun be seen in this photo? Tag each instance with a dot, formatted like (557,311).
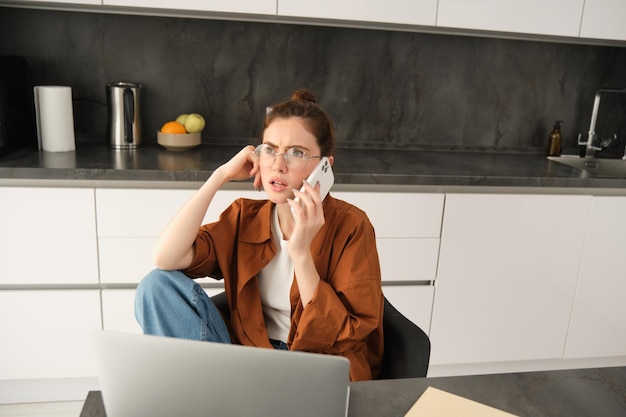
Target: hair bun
(303,95)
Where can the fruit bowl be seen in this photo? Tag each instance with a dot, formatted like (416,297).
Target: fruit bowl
(178,141)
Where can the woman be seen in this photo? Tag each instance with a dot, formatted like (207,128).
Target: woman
(299,275)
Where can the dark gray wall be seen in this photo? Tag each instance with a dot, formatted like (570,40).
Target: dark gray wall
(382,88)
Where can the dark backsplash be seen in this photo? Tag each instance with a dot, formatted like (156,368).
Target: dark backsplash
(382,88)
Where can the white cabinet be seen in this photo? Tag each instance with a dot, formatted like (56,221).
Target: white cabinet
(118,310)
(604,19)
(407,227)
(598,328)
(411,12)
(130,221)
(507,274)
(264,7)
(90,2)
(48,236)
(543,17)
(47,333)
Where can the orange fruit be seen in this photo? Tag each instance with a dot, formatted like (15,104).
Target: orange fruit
(173,127)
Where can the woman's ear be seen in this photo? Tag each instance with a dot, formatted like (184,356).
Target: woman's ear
(331,159)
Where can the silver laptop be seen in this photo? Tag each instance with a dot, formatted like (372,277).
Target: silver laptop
(164,377)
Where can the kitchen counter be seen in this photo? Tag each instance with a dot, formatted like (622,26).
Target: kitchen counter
(95,164)
(571,393)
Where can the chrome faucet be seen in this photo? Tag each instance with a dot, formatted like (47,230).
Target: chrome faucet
(592,142)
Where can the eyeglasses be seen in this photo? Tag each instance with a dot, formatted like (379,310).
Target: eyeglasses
(296,158)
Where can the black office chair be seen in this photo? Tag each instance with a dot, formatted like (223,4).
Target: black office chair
(407,347)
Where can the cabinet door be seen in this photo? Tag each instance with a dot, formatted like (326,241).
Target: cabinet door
(543,17)
(408,259)
(91,2)
(118,311)
(413,12)
(145,213)
(267,7)
(408,241)
(48,236)
(598,327)
(604,19)
(507,274)
(399,215)
(48,334)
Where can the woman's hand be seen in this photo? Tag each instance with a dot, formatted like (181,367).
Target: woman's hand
(309,218)
(242,166)
(308,214)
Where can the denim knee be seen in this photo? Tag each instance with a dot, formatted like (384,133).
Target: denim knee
(158,281)
(169,303)
(155,290)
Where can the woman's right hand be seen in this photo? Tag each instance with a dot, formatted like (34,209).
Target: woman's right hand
(241,167)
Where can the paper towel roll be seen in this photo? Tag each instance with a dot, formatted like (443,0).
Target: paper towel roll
(55,118)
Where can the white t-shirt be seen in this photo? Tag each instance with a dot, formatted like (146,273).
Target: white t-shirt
(275,284)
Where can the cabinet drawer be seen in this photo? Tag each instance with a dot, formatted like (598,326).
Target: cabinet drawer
(145,213)
(50,333)
(125,260)
(408,259)
(47,236)
(399,214)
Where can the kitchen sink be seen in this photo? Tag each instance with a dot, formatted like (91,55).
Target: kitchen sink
(609,168)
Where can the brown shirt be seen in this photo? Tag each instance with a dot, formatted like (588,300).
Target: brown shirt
(345,315)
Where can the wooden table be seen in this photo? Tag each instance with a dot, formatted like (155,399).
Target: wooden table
(599,392)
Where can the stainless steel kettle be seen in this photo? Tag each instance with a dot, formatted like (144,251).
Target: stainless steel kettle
(124,115)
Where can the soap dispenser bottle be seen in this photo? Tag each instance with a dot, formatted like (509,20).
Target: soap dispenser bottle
(554,140)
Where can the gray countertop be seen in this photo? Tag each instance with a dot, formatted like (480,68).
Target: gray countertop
(95,163)
(566,393)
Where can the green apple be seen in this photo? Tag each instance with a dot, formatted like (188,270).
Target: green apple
(194,123)
(182,118)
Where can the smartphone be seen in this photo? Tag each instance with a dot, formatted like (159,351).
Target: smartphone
(323,174)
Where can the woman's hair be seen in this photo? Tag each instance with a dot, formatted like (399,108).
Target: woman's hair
(303,104)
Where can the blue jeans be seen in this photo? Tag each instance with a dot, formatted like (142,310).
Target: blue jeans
(169,303)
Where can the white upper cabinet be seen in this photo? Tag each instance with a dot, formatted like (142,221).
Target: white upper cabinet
(267,7)
(409,12)
(542,17)
(604,19)
(91,2)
